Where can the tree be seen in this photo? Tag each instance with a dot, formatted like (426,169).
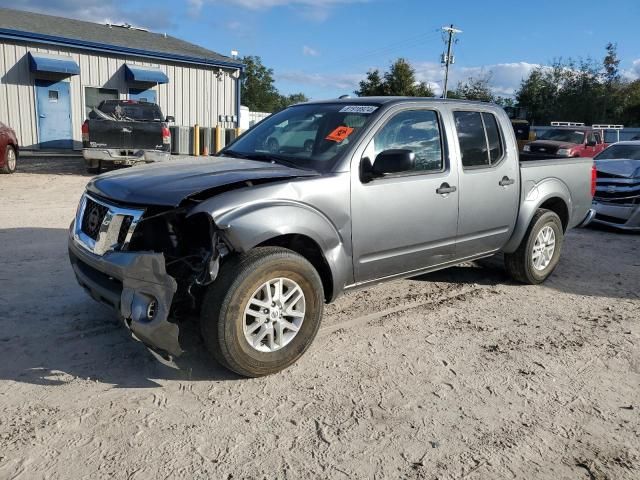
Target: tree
(258,90)
(582,91)
(399,80)
(475,88)
(373,86)
(286,100)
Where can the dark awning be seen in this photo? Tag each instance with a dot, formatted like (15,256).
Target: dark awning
(136,73)
(44,62)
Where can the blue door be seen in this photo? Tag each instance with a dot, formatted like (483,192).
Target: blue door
(54,114)
(143,95)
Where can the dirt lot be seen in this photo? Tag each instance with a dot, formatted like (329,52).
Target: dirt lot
(458,374)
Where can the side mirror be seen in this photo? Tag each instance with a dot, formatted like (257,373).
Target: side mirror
(394,161)
(387,162)
(170,119)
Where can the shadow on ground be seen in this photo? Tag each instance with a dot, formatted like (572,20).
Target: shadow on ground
(52,165)
(53,332)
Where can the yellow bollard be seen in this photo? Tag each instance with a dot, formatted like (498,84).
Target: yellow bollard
(219,132)
(238,132)
(196,140)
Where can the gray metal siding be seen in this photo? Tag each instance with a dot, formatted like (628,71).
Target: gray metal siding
(193,95)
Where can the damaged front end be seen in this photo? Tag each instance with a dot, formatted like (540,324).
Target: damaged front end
(149,264)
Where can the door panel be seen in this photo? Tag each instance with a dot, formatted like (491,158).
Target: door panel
(399,222)
(54,114)
(489,189)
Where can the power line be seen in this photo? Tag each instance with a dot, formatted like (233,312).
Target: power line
(390,48)
(447,58)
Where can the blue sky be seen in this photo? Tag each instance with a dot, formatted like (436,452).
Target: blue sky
(323,47)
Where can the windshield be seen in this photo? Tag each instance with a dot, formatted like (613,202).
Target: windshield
(149,112)
(305,136)
(617,152)
(563,135)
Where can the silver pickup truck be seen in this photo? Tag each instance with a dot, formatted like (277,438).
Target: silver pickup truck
(258,238)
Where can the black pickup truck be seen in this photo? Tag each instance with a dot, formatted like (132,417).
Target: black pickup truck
(125,132)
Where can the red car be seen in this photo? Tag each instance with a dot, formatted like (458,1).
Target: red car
(565,142)
(8,149)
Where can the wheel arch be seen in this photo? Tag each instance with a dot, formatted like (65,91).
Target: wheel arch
(311,251)
(551,194)
(293,225)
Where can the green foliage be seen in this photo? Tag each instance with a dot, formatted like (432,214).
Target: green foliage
(474,88)
(258,90)
(399,80)
(581,91)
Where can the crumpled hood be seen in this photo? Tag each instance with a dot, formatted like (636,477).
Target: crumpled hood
(168,183)
(620,168)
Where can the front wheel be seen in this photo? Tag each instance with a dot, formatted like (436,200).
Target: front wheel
(10,160)
(263,311)
(539,252)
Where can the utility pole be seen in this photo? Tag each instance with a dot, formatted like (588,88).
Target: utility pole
(447,59)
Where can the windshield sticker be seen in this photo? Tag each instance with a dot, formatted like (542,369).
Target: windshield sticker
(339,134)
(358,109)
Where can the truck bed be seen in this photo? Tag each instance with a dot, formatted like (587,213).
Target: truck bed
(571,175)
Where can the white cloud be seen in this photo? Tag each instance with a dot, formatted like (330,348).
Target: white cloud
(98,11)
(505,77)
(316,10)
(309,52)
(347,81)
(634,72)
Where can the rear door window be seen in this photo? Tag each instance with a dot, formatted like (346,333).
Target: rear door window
(479,138)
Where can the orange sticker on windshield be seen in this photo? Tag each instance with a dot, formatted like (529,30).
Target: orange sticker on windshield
(339,134)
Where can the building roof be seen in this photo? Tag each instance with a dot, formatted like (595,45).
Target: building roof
(80,34)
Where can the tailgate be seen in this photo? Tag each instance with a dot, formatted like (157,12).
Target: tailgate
(125,135)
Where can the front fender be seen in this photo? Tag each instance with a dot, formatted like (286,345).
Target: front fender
(248,225)
(535,196)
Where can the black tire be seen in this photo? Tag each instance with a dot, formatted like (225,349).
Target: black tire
(520,265)
(95,170)
(7,168)
(222,315)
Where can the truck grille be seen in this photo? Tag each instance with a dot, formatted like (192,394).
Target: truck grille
(543,149)
(101,227)
(94,214)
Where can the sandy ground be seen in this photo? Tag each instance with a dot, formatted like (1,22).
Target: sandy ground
(458,374)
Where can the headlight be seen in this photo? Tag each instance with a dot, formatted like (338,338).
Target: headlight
(564,152)
(526,148)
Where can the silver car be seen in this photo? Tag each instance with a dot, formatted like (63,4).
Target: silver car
(617,198)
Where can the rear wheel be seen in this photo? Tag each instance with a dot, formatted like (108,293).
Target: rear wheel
(10,160)
(539,252)
(263,311)
(95,170)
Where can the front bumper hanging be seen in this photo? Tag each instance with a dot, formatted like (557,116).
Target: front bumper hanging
(134,284)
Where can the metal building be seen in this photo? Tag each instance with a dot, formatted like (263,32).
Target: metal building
(53,70)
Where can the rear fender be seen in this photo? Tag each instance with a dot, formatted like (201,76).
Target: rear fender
(535,196)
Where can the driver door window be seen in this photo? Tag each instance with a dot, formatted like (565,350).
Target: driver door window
(415,130)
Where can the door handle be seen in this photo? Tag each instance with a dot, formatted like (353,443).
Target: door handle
(42,115)
(445,188)
(506,181)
